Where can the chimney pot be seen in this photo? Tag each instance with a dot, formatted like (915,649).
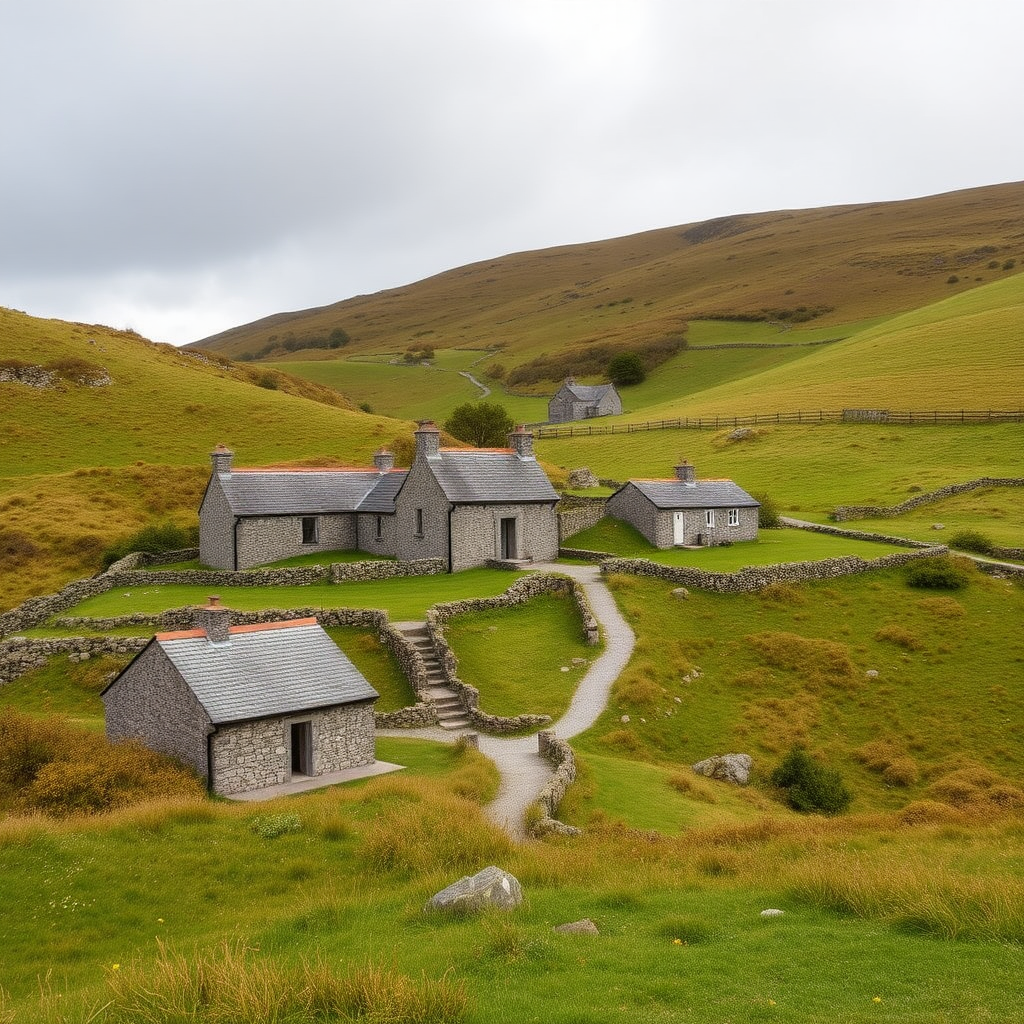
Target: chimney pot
(221,457)
(521,441)
(686,472)
(214,620)
(428,439)
(384,460)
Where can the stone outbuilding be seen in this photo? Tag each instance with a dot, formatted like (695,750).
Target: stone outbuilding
(246,707)
(574,401)
(463,505)
(686,512)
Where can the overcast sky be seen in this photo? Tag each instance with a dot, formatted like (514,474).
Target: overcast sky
(184,166)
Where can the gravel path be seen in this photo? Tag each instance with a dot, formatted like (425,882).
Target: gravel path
(524,773)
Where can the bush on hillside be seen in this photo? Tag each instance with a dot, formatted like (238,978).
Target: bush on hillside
(768,514)
(153,539)
(625,369)
(971,540)
(49,766)
(941,573)
(810,786)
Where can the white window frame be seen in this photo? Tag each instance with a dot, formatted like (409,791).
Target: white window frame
(709,518)
(734,517)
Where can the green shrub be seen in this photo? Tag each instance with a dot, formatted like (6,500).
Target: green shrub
(971,540)
(626,368)
(153,539)
(270,826)
(941,573)
(810,786)
(768,514)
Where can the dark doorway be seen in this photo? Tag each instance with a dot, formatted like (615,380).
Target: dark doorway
(508,538)
(302,748)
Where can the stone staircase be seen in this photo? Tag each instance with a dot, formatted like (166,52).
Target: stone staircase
(450,712)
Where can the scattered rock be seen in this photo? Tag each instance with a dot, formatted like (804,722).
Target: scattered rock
(681,594)
(582,478)
(740,434)
(490,887)
(552,826)
(624,719)
(564,668)
(584,927)
(579,661)
(772,912)
(726,767)
(938,526)
(872,673)
(678,700)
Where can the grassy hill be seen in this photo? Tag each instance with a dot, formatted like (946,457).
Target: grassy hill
(82,464)
(832,266)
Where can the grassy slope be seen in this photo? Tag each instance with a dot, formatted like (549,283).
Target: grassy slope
(81,466)
(864,261)
(961,353)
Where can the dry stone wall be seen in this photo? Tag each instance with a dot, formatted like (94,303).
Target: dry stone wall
(757,577)
(581,517)
(560,754)
(845,512)
(19,655)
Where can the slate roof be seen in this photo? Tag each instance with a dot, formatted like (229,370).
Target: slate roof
(269,492)
(276,668)
(700,494)
(497,475)
(589,392)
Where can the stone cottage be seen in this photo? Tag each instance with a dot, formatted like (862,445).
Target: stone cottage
(464,505)
(245,706)
(574,401)
(685,511)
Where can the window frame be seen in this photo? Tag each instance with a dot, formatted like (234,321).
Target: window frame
(734,517)
(314,522)
(709,518)
(418,526)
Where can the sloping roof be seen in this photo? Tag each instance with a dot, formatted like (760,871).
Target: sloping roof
(590,392)
(700,494)
(269,492)
(382,497)
(474,475)
(276,668)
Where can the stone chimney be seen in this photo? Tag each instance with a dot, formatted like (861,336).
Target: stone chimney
(214,620)
(221,457)
(428,439)
(521,440)
(384,460)
(686,473)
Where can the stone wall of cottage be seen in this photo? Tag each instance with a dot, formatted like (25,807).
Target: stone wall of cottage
(216,527)
(657,525)
(421,491)
(255,754)
(476,533)
(845,512)
(263,539)
(150,702)
(633,507)
(374,541)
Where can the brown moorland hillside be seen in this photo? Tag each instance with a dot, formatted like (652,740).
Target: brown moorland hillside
(833,265)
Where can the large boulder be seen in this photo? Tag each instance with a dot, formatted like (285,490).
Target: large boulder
(582,478)
(491,887)
(726,767)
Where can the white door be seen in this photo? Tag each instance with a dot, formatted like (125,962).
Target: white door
(678,528)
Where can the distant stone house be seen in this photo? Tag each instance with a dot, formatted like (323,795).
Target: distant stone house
(684,511)
(245,706)
(464,505)
(574,401)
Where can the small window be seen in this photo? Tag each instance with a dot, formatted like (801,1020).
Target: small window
(734,517)
(310,530)
(419,522)
(709,518)
(380,528)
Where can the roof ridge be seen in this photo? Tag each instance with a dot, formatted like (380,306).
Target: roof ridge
(252,627)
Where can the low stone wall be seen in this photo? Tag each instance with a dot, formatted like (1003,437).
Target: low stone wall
(757,577)
(585,555)
(521,591)
(417,716)
(19,655)
(1008,553)
(845,512)
(580,517)
(839,531)
(126,574)
(560,754)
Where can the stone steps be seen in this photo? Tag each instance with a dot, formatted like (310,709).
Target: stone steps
(450,712)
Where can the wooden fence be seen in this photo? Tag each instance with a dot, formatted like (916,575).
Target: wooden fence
(897,418)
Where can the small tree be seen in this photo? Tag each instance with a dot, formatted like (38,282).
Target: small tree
(768,513)
(626,368)
(810,786)
(482,424)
